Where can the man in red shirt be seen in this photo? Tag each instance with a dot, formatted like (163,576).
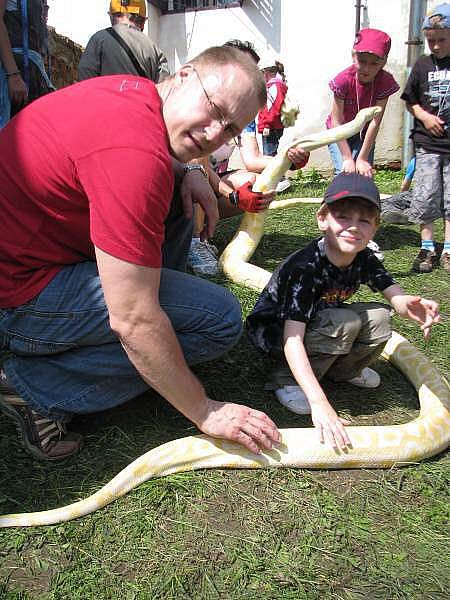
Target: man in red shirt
(88,315)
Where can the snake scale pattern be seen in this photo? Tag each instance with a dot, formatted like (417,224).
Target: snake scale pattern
(372,447)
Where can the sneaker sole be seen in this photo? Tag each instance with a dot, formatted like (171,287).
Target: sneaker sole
(283,187)
(303,409)
(392,218)
(364,386)
(21,428)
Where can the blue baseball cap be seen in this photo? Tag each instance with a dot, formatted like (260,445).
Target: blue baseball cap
(442,11)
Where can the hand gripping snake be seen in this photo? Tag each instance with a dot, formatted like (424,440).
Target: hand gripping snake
(372,447)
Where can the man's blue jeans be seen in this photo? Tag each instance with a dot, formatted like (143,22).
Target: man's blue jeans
(355,143)
(66,359)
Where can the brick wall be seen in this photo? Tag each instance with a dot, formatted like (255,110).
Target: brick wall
(64,58)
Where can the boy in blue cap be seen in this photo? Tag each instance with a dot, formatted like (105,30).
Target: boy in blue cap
(301,311)
(427,96)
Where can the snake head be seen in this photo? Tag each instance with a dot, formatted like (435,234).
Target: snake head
(368,113)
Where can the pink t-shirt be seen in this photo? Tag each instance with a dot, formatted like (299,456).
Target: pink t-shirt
(355,95)
(87,165)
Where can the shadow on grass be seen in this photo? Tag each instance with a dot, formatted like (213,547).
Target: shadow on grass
(391,237)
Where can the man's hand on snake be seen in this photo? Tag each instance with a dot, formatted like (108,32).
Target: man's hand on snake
(237,423)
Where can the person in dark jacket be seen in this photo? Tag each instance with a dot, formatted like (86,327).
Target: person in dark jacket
(123,48)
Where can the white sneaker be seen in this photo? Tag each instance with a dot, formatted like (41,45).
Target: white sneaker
(202,257)
(283,185)
(368,378)
(294,399)
(376,250)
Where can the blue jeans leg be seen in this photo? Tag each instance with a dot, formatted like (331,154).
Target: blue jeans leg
(66,359)
(355,143)
(336,158)
(270,142)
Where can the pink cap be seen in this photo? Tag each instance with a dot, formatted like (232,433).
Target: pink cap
(374,41)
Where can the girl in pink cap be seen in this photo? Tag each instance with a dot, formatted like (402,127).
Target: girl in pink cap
(365,83)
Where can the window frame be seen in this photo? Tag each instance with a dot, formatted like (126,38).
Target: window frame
(163,6)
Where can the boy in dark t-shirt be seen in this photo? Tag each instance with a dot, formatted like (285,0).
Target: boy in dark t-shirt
(301,311)
(427,96)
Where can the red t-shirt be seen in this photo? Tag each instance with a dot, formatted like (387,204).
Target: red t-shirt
(87,165)
(356,96)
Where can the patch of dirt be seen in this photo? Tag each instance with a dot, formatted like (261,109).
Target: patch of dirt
(32,571)
(343,481)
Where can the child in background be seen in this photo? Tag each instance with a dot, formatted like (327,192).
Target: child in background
(301,312)
(428,99)
(269,118)
(365,83)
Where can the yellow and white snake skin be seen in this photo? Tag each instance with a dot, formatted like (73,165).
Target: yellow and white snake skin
(372,447)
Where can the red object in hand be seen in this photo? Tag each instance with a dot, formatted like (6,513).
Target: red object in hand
(250,201)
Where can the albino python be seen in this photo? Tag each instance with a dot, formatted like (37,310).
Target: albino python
(376,447)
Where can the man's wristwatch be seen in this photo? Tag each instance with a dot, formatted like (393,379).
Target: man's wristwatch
(233,198)
(194,167)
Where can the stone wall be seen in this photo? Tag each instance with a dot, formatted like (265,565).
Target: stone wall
(64,58)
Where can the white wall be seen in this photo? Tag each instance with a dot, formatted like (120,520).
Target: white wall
(78,19)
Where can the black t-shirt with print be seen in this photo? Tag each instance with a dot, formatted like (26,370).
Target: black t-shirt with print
(305,283)
(429,86)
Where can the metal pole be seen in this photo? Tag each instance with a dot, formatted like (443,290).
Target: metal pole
(415,48)
(358,17)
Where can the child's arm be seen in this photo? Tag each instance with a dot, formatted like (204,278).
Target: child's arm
(337,118)
(432,123)
(362,162)
(407,180)
(425,312)
(255,162)
(329,425)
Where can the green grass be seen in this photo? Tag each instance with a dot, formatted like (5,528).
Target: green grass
(291,534)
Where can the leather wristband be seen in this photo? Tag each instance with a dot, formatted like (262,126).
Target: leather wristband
(233,198)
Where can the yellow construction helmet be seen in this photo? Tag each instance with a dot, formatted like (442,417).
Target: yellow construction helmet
(137,7)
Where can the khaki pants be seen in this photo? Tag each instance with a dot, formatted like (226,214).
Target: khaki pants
(341,341)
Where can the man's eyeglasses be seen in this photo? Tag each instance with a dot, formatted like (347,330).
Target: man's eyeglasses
(227,127)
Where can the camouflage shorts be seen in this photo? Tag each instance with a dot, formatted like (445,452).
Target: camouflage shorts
(431,194)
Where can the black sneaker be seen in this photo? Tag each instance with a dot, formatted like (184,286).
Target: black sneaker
(42,437)
(425,261)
